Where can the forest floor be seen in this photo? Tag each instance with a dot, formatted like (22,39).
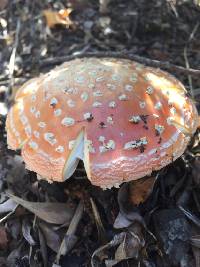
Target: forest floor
(77,224)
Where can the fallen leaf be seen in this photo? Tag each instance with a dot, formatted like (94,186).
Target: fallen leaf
(3,4)
(51,212)
(130,247)
(70,238)
(7,206)
(13,226)
(61,17)
(129,213)
(101,254)
(43,248)
(140,189)
(98,221)
(3,262)
(196,170)
(53,238)
(122,221)
(26,231)
(195,242)
(15,255)
(3,238)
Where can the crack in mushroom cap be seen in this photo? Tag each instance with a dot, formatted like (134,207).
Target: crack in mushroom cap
(123,119)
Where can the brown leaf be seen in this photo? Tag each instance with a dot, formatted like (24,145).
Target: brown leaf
(3,4)
(3,238)
(140,190)
(51,212)
(61,17)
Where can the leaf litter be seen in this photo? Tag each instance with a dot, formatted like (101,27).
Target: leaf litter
(51,212)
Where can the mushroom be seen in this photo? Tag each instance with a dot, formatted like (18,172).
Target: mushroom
(122,119)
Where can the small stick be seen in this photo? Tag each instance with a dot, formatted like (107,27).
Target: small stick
(71,229)
(187,64)
(11,65)
(127,55)
(99,224)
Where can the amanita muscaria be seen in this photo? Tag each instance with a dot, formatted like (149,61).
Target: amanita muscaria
(123,119)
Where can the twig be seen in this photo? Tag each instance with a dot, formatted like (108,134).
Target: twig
(71,230)
(7,215)
(99,224)
(11,65)
(173,7)
(127,55)
(186,57)
(103,6)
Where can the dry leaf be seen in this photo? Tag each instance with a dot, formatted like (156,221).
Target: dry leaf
(51,212)
(121,221)
(8,206)
(101,254)
(130,247)
(26,231)
(3,238)
(43,248)
(61,17)
(70,238)
(140,189)
(52,237)
(3,4)
(195,242)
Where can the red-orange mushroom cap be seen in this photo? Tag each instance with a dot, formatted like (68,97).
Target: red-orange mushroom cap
(123,119)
